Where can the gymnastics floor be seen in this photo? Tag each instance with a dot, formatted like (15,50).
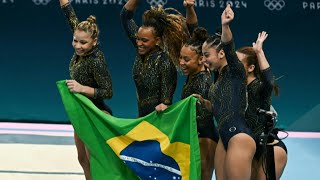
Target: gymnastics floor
(46,151)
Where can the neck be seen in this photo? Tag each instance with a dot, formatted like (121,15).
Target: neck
(223,64)
(202,68)
(145,56)
(250,78)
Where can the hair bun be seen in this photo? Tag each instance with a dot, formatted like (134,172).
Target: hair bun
(200,34)
(91,19)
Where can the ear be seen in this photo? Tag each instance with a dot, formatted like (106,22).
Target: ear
(251,68)
(201,60)
(221,54)
(158,41)
(95,41)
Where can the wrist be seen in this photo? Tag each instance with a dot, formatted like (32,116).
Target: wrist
(225,25)
(94,93)
(82,89)
(259,52)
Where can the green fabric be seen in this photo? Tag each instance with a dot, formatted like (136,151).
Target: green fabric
(95,128)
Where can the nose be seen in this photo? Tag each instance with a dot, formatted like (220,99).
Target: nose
(139,43)
(181,62)
(76,45)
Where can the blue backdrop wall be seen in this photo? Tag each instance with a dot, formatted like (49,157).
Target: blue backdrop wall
(36,50)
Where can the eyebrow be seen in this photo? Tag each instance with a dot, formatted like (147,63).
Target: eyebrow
(141,38)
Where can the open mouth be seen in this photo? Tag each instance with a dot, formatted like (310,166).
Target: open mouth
(79,51)
(140,48)
(184,70)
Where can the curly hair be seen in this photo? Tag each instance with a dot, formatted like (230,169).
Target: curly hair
(170,27)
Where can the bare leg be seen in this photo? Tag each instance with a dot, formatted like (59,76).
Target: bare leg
(255,170)
(280,160)
(219,161)
(207,148)
(241,149)
(83,156)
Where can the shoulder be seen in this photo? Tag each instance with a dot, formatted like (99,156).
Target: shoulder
(97,54)
(255,85)
(97,57)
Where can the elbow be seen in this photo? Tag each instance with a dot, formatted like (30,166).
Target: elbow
(108,95)
(270,83)
(104,93)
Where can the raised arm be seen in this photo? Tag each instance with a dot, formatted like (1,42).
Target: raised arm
(257,47)
(228,44)
(69,14)
(131,5)
(191,16)
(226,17)
(126,17)
(63,2)
(267,76)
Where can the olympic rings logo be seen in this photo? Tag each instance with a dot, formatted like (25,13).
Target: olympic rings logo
(274,4)
(157,2)
(41,2)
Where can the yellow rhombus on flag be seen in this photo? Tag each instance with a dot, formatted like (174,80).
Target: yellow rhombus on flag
(158,146)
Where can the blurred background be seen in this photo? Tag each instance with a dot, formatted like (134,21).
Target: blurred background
(35,52)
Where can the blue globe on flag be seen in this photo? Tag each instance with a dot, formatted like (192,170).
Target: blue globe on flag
(146,159)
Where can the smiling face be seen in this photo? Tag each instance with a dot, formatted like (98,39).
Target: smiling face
(82,42)
(190,62)
(146,40)
(212,57)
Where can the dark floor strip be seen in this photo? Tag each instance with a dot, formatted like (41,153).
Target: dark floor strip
(39,172)
(35,130)
(35,139)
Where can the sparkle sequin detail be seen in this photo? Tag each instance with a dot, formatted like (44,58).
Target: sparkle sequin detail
(155,76)
(91,69)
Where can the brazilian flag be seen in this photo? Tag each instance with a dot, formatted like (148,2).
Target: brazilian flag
(159,146)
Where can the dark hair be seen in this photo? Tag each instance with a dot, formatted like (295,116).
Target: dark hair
(252,59)
(155,20)
(215,40)
(89,26)
(199,36)
(169,27)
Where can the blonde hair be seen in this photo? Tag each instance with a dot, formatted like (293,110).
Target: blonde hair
(89,26)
